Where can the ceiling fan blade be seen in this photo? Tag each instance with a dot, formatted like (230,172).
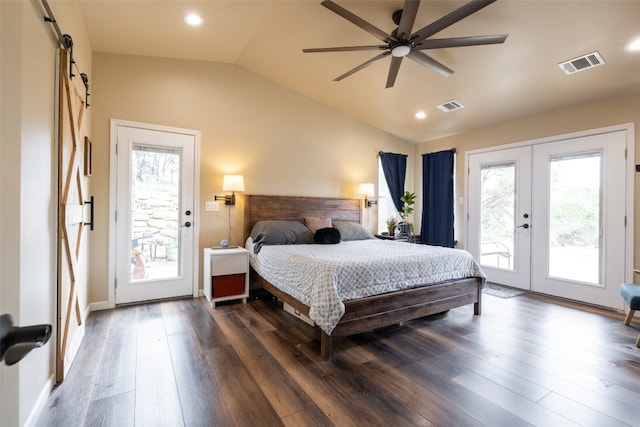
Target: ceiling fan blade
(393,71)
(362,66)
(450,19)
(409,11)
(370,28)
(344,49)
(460,41)
(429,62)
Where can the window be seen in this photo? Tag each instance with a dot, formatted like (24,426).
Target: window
(386,208)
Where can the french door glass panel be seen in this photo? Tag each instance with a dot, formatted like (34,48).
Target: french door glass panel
(155,205)
(497,215)
(574,217)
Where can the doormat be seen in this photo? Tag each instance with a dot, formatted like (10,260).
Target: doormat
(501,291)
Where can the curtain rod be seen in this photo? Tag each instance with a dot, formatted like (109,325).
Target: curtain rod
(67,43)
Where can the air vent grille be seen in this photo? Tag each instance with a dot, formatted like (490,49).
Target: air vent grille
(449,106)
(584,62)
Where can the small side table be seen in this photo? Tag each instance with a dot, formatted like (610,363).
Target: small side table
(225,274)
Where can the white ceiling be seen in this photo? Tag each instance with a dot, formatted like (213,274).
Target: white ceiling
(495,83)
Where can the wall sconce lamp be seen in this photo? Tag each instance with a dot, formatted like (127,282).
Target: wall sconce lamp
(367,190)
(231,183)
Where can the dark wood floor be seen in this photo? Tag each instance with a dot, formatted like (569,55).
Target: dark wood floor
(526,361)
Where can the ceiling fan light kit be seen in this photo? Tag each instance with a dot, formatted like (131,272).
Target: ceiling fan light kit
(402,42)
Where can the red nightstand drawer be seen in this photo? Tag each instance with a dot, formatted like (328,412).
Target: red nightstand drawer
(224,286)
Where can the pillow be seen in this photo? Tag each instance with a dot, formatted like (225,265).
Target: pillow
(327,236)
(314,223)
(352,231)
(279,233)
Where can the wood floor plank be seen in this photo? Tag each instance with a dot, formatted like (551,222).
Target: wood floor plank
(156,395)
(113,411)
(116,372)
(244,399)
(512,402)
(201,400)
(581,414)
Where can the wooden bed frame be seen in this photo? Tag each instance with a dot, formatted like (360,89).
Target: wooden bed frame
(363,314)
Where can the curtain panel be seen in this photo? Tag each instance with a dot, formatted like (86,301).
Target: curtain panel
(437,199)
(394,166)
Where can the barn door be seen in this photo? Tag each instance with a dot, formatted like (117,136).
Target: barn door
(71,198)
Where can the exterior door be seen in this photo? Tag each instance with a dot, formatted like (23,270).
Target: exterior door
(551,217)
(500,214)
(579,217)
(155,213)
(71,197)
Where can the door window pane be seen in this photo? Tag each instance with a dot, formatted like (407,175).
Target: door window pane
(574,217)
(497,214)
(155,195)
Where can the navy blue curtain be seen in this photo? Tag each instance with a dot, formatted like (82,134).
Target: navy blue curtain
(437,199)
(394,167)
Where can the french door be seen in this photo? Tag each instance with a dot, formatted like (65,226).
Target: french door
(155,217)
(550,217)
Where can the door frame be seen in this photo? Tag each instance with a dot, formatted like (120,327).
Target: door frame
(629,179)
(113,137)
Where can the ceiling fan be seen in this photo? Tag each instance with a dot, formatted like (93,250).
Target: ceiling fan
(402,42)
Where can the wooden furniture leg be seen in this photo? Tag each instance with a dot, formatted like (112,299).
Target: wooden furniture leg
(326,344)
(629,317)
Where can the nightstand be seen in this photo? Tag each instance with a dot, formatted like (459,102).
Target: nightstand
(225,273)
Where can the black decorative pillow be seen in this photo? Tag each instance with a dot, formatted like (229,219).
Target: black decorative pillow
(326,236)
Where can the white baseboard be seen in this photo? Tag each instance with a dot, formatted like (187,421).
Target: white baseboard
(96,306)
(41,402)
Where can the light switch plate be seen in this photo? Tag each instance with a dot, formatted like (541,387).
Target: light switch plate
(211,206)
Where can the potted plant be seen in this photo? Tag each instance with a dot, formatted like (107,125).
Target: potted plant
(409,199)
(391,225)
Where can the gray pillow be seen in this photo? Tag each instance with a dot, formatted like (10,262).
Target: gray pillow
(279,233)
(352,231)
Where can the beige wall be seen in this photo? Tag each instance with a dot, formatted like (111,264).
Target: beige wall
(28,182)
(602,113)
(282,142)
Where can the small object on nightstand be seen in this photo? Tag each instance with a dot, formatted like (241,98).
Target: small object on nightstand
(225,274)
(224,243)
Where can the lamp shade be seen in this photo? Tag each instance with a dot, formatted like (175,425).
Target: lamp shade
(367,189)
(233,183)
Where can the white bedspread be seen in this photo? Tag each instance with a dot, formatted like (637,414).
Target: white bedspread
(322,276)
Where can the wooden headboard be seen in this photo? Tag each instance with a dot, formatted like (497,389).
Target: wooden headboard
(262,208)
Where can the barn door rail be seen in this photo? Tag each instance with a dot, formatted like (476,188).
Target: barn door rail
(67,43)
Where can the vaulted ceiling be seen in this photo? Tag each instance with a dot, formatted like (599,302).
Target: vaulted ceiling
(494,83)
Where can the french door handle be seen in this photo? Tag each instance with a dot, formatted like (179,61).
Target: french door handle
(525,226)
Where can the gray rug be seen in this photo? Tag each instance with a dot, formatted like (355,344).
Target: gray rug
(501,291)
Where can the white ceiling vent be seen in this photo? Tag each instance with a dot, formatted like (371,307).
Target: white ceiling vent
(584,62)
(449,106)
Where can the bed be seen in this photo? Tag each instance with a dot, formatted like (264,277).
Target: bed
(361,311)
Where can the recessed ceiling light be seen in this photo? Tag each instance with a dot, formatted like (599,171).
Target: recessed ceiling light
(420,115)
(193,19)
(634,46)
